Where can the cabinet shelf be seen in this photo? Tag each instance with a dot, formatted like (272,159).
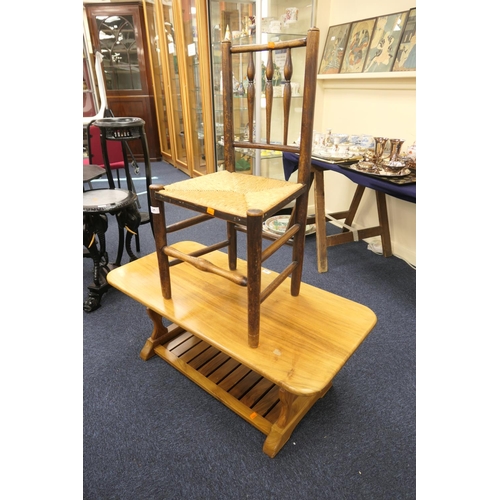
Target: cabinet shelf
(246,40)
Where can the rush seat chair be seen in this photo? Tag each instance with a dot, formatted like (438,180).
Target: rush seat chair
(245,201)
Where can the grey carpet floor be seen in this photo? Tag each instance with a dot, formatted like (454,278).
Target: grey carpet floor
(150,433)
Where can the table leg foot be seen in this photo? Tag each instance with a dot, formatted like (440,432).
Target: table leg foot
(276,439)
(98,288)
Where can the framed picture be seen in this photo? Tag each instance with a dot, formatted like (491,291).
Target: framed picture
(357,46)
(406,57)
(333,53)
(385,42)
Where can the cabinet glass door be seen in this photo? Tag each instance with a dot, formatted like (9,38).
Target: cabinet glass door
(118,46)
(154,26)
(192,78)
(260,21)
(173,86)
(235,20)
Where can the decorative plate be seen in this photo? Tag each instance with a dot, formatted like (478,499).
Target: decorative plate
(278,223)
(333,156)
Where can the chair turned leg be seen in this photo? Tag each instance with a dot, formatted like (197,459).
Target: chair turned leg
(160,234)
(299,243)
(232,250)
(254,265)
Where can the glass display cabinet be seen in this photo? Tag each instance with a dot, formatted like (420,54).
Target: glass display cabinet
(184,38)
(178,32)
(260,21)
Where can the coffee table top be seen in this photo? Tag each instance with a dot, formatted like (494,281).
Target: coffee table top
(304,340)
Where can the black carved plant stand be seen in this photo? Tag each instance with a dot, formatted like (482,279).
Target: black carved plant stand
(96,205)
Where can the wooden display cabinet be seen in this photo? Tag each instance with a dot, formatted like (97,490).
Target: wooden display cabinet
(178,29)
(117,31)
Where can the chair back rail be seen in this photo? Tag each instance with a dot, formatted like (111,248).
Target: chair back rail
(309,86)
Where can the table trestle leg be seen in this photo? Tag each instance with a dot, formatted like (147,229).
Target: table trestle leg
(293,409)
(160,334)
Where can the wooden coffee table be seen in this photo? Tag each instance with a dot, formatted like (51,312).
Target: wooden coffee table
(304,340)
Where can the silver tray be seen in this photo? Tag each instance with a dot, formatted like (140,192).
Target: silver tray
(381,172)
(337,159)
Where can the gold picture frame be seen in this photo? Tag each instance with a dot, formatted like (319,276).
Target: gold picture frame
(333,53)
(385,42)
(406,57)
(358,45)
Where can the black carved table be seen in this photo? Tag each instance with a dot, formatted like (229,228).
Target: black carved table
(97,204)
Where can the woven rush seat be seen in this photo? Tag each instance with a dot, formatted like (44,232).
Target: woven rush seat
(232,192)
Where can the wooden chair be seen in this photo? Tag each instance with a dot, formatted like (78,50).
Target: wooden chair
(246,201)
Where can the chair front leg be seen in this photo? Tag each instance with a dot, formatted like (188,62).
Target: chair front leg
(254,270)
(299,243)
(232,250)
(160,233)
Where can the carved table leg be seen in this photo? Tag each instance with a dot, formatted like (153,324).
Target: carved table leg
(160,334)
(94,240)
(128,219)
(281,430)
(383,221)
(293,408)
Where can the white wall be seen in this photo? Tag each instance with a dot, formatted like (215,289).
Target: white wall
(378,106)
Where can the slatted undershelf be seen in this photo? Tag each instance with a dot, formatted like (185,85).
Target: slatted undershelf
(249,394)
(249,388)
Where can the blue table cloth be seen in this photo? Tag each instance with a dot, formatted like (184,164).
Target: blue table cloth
(407,192)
